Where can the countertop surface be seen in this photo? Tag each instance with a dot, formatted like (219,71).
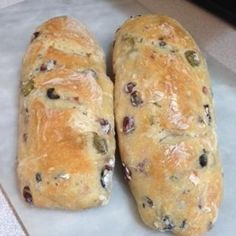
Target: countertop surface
(215,37)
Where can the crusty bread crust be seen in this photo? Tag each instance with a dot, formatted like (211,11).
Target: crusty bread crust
(66,127)
(166,125)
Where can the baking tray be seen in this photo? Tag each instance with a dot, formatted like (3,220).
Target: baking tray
(120,217)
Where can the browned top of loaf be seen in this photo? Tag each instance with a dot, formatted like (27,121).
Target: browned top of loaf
(180,82)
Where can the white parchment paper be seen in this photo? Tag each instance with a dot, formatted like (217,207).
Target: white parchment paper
(120,217)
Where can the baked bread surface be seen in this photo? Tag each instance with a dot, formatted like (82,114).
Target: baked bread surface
(166,125)
(66,128)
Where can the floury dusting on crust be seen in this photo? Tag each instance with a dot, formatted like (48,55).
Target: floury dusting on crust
(166,29)
(178,153)
(175,115)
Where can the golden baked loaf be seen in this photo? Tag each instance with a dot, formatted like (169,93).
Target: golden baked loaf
(66,121)
(166,125)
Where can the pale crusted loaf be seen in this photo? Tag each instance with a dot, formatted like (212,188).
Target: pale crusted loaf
(66,128)
(166,125)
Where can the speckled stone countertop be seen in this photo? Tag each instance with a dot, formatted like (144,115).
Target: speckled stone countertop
(215,37)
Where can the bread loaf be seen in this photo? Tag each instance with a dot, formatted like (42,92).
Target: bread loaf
(66,127)
(166,125)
